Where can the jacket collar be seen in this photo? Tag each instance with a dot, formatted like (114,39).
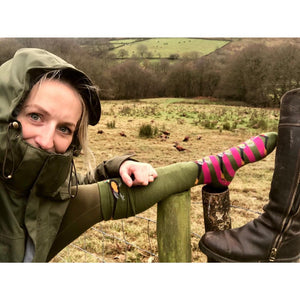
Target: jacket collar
(24,166)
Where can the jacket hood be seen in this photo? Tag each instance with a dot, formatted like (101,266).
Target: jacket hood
(22,165)
(18,73)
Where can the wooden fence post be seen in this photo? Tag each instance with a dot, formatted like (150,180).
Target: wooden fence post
(174,229)
(216,207)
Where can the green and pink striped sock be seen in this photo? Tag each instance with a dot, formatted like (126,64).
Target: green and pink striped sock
(219,170)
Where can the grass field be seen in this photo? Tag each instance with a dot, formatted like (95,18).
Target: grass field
(164,47)
(180,117)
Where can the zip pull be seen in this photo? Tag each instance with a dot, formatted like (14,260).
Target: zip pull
(73,169)
(14,125)
(273,254)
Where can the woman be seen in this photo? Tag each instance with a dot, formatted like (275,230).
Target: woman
(45,107)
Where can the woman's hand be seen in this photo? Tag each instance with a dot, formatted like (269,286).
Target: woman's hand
(136,173)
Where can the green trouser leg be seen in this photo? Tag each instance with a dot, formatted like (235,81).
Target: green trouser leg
(82,213)
(95,202)
(119,201)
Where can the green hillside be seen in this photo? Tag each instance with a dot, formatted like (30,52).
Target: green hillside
(165,47)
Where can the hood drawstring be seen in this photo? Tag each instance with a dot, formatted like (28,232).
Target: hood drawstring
(14,125)
(73,170)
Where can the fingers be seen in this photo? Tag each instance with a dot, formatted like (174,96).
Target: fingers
(134,174)
(152,175)
(127,179)
(144,177)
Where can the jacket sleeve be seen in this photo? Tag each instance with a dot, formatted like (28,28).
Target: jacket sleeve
(107,169)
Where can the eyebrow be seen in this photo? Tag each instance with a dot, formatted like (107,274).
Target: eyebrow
(45,112)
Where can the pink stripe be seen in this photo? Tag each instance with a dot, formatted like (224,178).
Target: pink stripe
(216,165)
(236,155)
(249,153)
(260,146)
(206,173)
(228,165)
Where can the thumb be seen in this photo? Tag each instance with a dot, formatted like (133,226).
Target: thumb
(127,179)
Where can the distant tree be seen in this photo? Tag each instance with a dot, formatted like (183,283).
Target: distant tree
(122,53)
(149,54)
(244,76)
(111,56)
(260,75)
(162,66)
(142,50)
(131,81)
(254,75)
(208,74)
(174,56)
(133,56)
(193,55)
(284,70)
(182,80)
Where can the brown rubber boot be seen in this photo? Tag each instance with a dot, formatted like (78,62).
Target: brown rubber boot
(275,235)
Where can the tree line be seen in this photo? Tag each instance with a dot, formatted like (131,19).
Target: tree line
(258,74)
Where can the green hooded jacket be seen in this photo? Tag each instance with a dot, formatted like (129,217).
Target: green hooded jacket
(34,193)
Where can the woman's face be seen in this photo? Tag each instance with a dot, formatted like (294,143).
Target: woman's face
(50,115)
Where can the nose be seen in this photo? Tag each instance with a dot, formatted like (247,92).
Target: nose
(45,140)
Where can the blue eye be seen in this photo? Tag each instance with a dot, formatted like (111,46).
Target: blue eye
(65,130)
(35,116)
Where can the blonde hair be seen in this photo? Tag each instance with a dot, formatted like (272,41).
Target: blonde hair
(80,139)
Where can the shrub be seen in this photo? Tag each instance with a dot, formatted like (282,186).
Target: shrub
(226,126)
(111,124)
(263,124)
(229,126)
(147,131)
(259,123)
(209,124)
(125,111)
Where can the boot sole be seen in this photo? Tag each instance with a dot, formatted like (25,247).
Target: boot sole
(212,255)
